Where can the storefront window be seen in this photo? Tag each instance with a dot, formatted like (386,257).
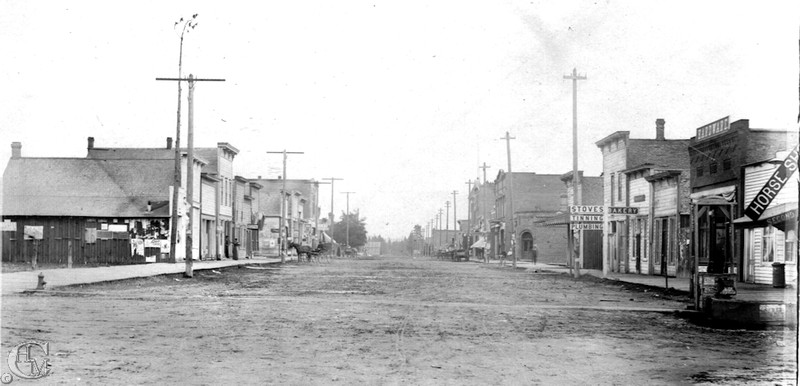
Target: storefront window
(767,245)
(791,246)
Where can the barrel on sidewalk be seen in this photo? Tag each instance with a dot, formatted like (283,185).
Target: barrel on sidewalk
(778,275)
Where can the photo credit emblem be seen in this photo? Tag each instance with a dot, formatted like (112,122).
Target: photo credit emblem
(28,361)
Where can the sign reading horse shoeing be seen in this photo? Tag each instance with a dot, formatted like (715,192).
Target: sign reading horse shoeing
(773,186)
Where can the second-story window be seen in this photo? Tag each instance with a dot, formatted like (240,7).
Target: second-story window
(619,186)
(612,188)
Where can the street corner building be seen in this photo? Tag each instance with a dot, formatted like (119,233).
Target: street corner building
(85,210)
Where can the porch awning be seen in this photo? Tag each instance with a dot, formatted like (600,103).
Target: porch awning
(718,196)
(327,239)
(481,243)
(782,216)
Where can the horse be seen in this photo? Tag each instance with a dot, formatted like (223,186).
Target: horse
(306,250)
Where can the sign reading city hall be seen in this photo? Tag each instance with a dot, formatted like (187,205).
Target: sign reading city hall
(773,186)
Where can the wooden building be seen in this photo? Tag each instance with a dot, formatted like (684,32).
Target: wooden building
(87,211)
(627,162)
(772,237)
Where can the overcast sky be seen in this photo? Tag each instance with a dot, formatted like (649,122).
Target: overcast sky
(402,99)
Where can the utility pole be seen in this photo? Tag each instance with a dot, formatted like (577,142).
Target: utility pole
(187,26)
(439,219)
(510,220)
(447,221)
(575,178)
(455,219)
(283,243)
(347,218)
(469,219)
(485,230)
(332,216)
(189,168)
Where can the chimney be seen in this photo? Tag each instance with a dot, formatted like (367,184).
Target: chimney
(660,129)
(91,143)
(169,142)
(16,149)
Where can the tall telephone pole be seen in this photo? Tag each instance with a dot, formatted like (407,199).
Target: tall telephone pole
(347,218)
(510,220)
(185,27)
(284,237)
(332,216)
(469,218)
(439,219)
(189,168)
(484,167)
(575,178)
(447,221)
(455,219)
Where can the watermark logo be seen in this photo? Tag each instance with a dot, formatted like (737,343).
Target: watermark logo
(28,361)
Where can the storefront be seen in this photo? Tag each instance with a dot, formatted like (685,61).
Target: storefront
(769,223)
(719,154)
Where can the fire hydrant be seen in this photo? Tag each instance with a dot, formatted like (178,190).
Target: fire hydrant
(40,285)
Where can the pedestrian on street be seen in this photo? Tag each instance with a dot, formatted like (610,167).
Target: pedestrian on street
(535,253)
(227,245)
(236,249)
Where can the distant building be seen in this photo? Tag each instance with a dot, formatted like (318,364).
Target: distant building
(373,248)
(301,210)
(481,208)
(535,197)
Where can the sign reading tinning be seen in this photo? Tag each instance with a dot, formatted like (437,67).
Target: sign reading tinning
(585,218)
(714,128)
(773,186)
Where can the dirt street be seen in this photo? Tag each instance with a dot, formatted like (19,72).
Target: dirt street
(383,321)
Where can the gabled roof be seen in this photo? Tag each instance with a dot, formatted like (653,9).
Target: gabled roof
(86,187)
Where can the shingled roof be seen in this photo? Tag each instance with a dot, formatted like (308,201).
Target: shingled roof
(86,187)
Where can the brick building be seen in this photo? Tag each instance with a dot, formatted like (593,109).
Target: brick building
(718,154)
(536,197)
(481,207)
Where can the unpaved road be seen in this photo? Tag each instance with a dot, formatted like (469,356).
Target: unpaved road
(383,321)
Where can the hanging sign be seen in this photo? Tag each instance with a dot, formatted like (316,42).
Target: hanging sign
(586,209)
(592,226)
(585,218)
(773,186)
(623,210)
